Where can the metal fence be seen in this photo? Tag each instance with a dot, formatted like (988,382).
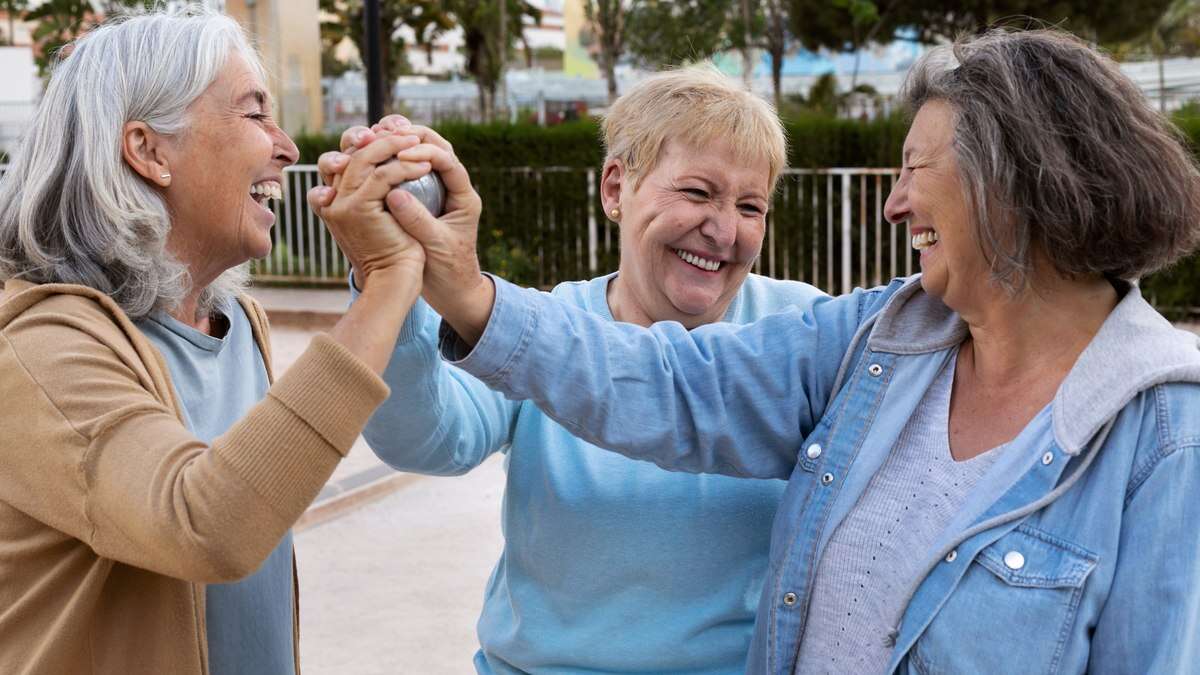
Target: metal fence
(546,225)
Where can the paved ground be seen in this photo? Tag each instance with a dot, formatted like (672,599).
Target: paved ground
(392,566)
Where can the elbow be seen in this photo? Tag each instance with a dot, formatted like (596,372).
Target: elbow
(228,561)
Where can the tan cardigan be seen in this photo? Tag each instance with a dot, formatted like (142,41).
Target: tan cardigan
(113,516)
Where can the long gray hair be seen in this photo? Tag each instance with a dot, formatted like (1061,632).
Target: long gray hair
(1060,153)
(71,209)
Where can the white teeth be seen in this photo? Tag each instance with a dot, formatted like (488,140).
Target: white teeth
(269,189)
(702,263)
(924,240)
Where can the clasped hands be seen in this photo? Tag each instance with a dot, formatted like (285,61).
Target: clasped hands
(384,230)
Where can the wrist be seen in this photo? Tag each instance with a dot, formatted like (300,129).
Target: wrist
(401,274)
(467,310)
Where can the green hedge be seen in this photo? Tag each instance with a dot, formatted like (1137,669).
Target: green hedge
(813,141)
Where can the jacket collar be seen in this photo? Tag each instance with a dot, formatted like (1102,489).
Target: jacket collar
(1134,350)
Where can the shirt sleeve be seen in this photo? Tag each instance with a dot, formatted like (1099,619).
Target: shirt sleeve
(1149,622)
(438,419)
(737,400)
(93,453)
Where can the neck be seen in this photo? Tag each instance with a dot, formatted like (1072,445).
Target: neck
(625,307)
(1038,333)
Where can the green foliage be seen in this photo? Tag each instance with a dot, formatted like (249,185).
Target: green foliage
(499,145)
(665,32)
(58,22)
(425,18)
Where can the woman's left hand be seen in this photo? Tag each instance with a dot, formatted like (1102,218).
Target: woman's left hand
(355,211)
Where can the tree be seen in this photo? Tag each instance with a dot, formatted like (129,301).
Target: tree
(1176,33)
(427,20)
(480,21)
(13,9)
(606,21)
(58,22)
(662,32)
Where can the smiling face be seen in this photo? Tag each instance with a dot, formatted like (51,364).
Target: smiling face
(225,168)
(930,196)
(689,233)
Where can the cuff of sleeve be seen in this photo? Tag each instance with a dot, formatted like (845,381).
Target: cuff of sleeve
(509,329)
(331,390)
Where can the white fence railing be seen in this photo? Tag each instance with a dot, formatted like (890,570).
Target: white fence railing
(541,226)
(546,225)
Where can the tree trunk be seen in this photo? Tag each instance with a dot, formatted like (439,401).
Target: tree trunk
(607,60)
(747,46)
(1162,85)
(777,76)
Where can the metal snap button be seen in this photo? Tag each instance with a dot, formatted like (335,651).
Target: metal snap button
(1048,457)
(789,599)
(813,451)
(952,556)
(827,479)
(875,370)
(1014,560)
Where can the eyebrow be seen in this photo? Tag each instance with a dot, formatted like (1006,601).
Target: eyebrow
(257,95)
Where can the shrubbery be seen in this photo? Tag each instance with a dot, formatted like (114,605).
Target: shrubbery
(813,141)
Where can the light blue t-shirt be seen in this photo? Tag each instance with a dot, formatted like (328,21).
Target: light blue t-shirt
(609,564)
(217,380)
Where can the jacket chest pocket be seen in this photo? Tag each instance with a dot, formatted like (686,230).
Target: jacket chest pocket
(1013,610)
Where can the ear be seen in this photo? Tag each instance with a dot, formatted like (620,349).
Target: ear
(612,179)
(143,150)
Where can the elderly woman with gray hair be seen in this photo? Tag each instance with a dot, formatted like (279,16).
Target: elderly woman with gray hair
(992,466)
(150,466)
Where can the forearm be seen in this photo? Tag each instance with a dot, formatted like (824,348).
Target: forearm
(371,325)
(466,310)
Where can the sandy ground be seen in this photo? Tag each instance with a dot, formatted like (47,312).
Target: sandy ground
(395,585)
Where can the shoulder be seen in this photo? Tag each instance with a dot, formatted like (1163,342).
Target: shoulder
(584,293)
(1160,423)
(57,314)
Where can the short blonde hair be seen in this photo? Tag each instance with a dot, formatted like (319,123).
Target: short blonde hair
(697,105)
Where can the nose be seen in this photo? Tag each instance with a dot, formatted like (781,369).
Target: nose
(720,229)
(896,209)
(286,152)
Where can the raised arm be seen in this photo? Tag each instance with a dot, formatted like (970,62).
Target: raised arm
(736,400)
(438,419)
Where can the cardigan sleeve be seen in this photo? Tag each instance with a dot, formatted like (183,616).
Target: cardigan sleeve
(92,451)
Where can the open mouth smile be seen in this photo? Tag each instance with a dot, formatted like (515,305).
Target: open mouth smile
(923,240)
(265,191)
(696,261)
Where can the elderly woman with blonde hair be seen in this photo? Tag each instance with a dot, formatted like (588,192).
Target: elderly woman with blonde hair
(150,465)
(609,564)
(992,466)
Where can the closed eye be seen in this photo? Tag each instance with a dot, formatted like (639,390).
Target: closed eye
(750,209)
(696,193)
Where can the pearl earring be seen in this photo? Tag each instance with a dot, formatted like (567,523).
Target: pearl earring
(165,176)
(615,213)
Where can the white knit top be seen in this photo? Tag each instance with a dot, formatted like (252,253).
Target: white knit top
(879,547)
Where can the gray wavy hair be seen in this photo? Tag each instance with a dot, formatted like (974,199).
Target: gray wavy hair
(1060,152)
(71,209)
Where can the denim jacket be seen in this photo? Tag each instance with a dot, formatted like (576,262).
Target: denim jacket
(1076,552)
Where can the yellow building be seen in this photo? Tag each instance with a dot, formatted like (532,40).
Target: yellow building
(289,36)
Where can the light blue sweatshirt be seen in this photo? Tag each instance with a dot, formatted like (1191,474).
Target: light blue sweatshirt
(609,564)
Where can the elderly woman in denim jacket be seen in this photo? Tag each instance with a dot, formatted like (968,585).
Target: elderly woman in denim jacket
(992,466)
(150,467)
